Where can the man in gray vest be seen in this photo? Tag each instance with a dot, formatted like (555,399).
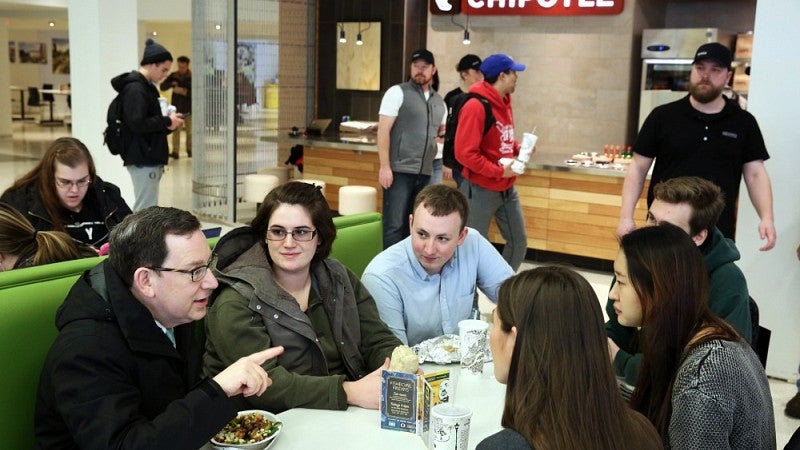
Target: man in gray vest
(411,116)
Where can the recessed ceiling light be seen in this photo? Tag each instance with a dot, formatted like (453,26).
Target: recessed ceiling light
(218,27)
(155,33)
(52,24)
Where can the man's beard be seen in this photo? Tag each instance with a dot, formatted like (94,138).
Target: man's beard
(421,79)
(704,95)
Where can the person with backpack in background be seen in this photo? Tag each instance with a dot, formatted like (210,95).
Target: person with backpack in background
(469,69)
(146,123)
(489,184)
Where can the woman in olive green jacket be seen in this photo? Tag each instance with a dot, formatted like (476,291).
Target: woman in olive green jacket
(278,287)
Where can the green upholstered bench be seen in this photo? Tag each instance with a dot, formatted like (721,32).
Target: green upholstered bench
(28,302)
(359,237)
(30,297)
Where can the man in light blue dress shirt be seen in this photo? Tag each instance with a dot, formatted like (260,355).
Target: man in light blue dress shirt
(426,283)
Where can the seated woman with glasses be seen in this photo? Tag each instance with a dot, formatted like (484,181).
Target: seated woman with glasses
(64,193)
(700,383)
(278,287)
(22,246)
(549,347)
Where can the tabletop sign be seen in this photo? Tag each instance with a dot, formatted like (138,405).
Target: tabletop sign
(407,399)
(527,7)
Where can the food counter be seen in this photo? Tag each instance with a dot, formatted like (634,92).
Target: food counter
(571,210)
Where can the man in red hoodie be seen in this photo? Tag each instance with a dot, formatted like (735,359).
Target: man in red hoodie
(490,183)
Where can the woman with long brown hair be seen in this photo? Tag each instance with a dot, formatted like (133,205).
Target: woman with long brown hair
(700,383)
(549,347)
(64,193)
(22,246)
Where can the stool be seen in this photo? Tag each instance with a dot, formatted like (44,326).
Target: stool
(256,187)
(357,199)
(319,183)
(283,173)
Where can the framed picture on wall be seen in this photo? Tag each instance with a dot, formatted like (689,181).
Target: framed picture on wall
(33,52)
(60,55)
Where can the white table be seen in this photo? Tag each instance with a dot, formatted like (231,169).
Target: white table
(358,428)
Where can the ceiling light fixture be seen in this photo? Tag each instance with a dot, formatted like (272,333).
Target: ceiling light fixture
(466,40)
(51,24)
(360,41)
(217,27)
(155,33)
(342,38)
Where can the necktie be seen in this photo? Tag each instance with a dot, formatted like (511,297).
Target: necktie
(170,335)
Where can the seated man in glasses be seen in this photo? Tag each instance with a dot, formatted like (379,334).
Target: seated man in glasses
(122,372)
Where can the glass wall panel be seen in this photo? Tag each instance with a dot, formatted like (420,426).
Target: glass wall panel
(251,60)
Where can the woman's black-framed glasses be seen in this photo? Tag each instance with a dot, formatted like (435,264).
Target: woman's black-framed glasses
(298,234)
(198,273)
(80,184)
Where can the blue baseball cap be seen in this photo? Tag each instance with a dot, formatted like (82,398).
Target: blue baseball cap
(495,64)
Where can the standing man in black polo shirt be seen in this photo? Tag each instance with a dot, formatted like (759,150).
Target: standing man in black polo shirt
(708,136)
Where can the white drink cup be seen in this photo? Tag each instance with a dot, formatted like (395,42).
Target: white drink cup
(449,428)
(525,152)
(526,148)
(473,334)
(162,102)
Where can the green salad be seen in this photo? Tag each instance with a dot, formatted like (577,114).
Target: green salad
(247,429)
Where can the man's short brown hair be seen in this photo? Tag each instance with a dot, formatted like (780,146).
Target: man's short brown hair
(442,200)
(705,198)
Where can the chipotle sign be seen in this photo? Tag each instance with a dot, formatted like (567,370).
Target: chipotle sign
(527,7)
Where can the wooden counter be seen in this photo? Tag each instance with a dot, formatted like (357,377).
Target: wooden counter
(568,210)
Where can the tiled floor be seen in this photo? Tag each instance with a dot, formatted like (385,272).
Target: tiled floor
(20,153)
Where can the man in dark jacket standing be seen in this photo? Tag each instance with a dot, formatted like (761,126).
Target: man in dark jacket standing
(181,84)
(148,122)
(123,371)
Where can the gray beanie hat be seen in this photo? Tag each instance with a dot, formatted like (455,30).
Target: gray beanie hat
(154,53)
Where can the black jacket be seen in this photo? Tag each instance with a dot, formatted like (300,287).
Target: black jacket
(146,127)
(104,195)
(113,380)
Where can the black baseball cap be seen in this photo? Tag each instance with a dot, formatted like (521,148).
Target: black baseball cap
(715,52)
(424,55)
(469,61)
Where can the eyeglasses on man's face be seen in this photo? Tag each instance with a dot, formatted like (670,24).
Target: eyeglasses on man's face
(198,273)
(80,184)
(298,234)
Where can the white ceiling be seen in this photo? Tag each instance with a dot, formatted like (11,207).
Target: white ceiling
(35,14)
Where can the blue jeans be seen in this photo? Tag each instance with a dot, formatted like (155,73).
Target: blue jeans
(398,201)
(506,209)
(145,185)
(436,175)
(458,178)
